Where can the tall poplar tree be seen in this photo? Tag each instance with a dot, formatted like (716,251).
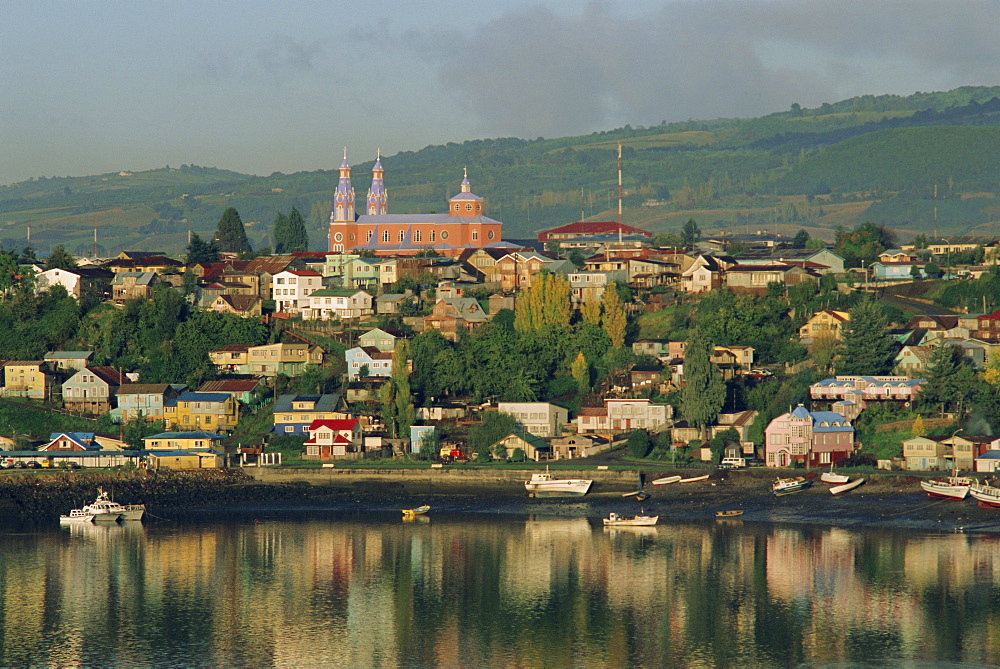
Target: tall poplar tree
(230,235)
(614,319)
(868,348)
(289,233)
(704,393)
(400,380)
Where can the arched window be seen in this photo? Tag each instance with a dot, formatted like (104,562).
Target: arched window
(468,207)
(402,234)
(475,235)
(385,236)
(368,236)
(417,236)
(433,235)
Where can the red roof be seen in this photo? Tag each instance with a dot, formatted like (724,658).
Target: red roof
(334,423)
(592,228)
(304,272)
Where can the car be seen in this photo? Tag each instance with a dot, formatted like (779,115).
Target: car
(19,465)
(755,462)
(32,464)
(6,464)
(733,463)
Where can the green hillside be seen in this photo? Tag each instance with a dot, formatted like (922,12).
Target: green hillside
(868,158)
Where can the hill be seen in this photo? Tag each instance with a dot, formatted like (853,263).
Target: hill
(867,158)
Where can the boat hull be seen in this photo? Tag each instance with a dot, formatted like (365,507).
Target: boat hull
(834,479)
(695,479)
(635,521)
(543,485)
(987,497)
(133,511)
(939,489)
(846,487)
(789,486)
(667,480)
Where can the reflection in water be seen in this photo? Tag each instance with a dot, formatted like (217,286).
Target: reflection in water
(474,591)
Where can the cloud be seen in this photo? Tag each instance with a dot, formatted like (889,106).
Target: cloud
(536,72)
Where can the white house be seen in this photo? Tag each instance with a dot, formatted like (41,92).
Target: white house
(291,289)
(329,303)
(623,415)
(541,419)
(379,363)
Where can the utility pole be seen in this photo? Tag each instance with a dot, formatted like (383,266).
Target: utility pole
(619,185)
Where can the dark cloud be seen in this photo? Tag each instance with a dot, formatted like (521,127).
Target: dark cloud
(538,72)
(285,56)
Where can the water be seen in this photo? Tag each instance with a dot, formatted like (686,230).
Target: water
(350,590)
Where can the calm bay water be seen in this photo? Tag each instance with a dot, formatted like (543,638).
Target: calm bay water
(467,590)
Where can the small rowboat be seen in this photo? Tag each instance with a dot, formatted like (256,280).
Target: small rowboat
(420,510)
(639,494)
(850,485)
(732,513)
(694,479)
(667,480)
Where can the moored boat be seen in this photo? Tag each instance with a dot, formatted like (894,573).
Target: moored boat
(789,485)
(844,487)
(104,509)
(544,485)
(730,513)
(418,511)
(950,487)
(614,520)
(667,480)
(986,496)
(81,516)
(834,479)
(694,479)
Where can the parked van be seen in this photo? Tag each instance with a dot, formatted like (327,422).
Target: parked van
(733,463)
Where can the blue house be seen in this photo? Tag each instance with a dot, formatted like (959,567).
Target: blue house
(894,271)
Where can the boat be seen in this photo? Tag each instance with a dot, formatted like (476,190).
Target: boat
(419,511)
(731,513)
(950,487)
(986,496)
(787,486)
(834,479)
(694,479)
(104,509)
(666,480)
(544,485)
(844,487)
(614,520)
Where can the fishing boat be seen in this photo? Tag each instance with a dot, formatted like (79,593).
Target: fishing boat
(694,479)
(104,509)
(834,479)
(667,480)
(731,513)
(950,487)
(789,485)
(844,487)
(986,496)
(544,485)
(419,511)
(614,520)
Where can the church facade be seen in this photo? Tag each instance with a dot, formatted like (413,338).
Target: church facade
(463,227)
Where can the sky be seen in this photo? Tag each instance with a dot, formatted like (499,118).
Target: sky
(258,87)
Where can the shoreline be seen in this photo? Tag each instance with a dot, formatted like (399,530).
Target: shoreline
(885,500)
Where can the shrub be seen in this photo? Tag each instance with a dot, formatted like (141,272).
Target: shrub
(638,444)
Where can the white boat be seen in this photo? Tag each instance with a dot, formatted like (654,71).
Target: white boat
(987,497)
(844,487)
(666,480)
(544,485)
(950,487)
(789,485)
(104,509)
(834,479)
(614,520)
(694,479)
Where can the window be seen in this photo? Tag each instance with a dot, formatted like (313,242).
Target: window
(385,235)
(444,234)
(490,234)
(401,235)
(457,207)
(417,236)
(338,237)
(289,428)
(468,207)
(475,235)
(433,235)
(368,236)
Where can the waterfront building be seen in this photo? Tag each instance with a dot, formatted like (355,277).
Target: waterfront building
(811,438)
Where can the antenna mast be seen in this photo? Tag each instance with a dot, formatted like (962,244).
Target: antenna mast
(619,187)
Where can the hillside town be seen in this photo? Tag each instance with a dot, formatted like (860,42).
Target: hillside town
(430,337)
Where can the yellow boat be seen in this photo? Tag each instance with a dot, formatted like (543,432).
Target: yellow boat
(420,510)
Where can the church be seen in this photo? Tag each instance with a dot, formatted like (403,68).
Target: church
(463,227)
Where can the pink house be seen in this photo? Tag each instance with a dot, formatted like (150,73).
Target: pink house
(812,438)
(333,438)
(867,388)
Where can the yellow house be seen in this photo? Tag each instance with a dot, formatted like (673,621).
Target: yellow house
(184,450)
(217,412)
(231,358)
(28,378)
(283,358)
(825,324)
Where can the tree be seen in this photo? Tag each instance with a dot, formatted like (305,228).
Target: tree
(690,234)
(868,348)
(800,239)
(951,380)
(59,258)
(230,235)
(638,444)
(200,252)
(704,392)
(580,371)
(667,240)
(494,427)
(613,319)
(387,399)
(289,233)
(918,429)
(400,379)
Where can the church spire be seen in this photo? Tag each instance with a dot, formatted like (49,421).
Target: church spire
(378,196)
(343,197)
(466,186)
